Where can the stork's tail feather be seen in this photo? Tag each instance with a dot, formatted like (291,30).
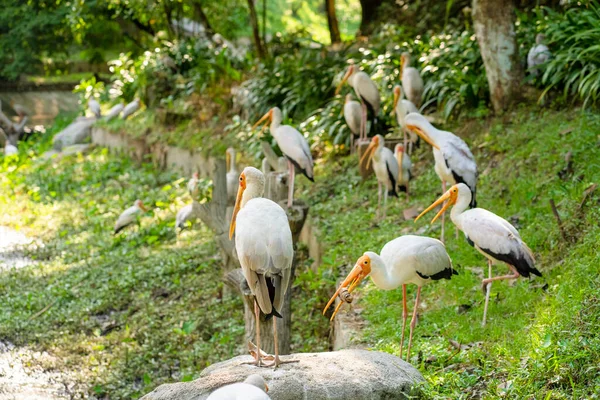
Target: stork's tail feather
(119,229)
(402,188)
(393,193)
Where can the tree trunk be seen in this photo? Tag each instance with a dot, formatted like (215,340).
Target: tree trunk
(369,12)
(334,29)
(494,23)
(203,19)
(255,32)
(264,22)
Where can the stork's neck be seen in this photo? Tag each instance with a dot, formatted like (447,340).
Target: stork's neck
(276,119)
(252,191)
(232,166)
(381,275)
(462,204)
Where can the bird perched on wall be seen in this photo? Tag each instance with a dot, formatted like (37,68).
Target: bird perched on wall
(94,107)
(232,175)
(406,259)
(263,242)
(253,388)
(352,115)
(293,146)
(491,235)
(131,108)
(412,83)
(114,111)
(192,185)
(129,216)
(401,109)
(367,92)
(405,169)
(187,213)
(385,166)
(454,162)
(538,54)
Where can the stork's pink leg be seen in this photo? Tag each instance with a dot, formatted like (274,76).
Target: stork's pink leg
(364,121)
(292,171)
(257,315)
(487,283)
(444,214)
(277,361)
(404,317)
(413,322)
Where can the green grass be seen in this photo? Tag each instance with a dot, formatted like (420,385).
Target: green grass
(541,339)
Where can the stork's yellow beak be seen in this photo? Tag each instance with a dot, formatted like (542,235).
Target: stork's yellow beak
(396,98)
(422,134)
(361,270)
(451,195)
(344,79)
(238,203)
(266,119)
(369,152)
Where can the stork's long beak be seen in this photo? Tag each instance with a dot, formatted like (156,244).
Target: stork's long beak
(422,134)
(450,195)
(266,388)
(355,276)
(267,117)
(227,160)
(236,209)
(368,154)
(344,79)
(141,205)
(396,98)
(402,62)
(400,156)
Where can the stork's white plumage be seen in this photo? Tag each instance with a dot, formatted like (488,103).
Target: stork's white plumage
(402,108)
(253,388)
(10,149)
(129,216)
(232,175)
(352,114)
(411,80)
(405,166)
(385,166)
(131,108)
(491,235)
(406,259)
(187,213)
(293,145)
(263,242)
(538,54)
(94,107)
(114,111)
(454,162)
(192,185)
(367,92)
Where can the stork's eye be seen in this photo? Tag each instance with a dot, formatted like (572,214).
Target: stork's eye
(365,262)
(241,179)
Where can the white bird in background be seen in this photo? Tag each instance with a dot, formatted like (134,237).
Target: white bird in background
(187,213)
(293,146)
(263,241)
(367,92)
(94,107)
(405,173)
(253,388)
(402,108)
(491,235)
(385,167)
(352,115)
(454,162)
(406,259)
(538,54)
(131,108)
(114,111)
(192,185)
(412,83)
(10,149)
(129,216)
(232,175)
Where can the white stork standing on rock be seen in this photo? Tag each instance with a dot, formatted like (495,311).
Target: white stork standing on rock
(253,388)
(405,172)
(454,162)
(129,216)
(94,107)
(401,109)
(385,166)
(491,235)
(412,83)
(367,92)
(131,108)
(406,259)
(263,242)
(293,145)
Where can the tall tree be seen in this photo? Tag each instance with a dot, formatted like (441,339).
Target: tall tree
(255,32)
(494,23)
(334,29)
(201,16)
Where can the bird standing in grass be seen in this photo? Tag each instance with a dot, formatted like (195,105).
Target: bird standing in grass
(187,213)
(406,259)
(129,216)
(94,107)
(412,83)
(405,166)
(491,235)
(385,167)
(253,388)
(352,115)
(263,242)
(538,54)
(401,109)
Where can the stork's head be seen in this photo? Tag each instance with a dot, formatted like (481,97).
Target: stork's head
(251,185)
(404,61)
(540,38)
(138,203)
(397,97)
(351,69)
(361,270)
(229,155)
(421,126)
(195,175)
(456,192)
(273,115)
(258,381)
(348,98)
(399,148)
(376,143)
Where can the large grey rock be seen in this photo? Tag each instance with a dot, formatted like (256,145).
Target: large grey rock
(346,374)
(77,132)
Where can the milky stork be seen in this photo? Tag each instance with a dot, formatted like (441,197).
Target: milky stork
(401,109)
(538,54)
(263,242)
(114,111)
(352,115)
(385,166)
(454,162)
(185,214)
(367,92)
(411,80)
(405,169)
(491,235)
(131,108)
(406,259)
(232,175)
(253,388)
(293,145)
(192,185)
(129,216)
(94,107)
